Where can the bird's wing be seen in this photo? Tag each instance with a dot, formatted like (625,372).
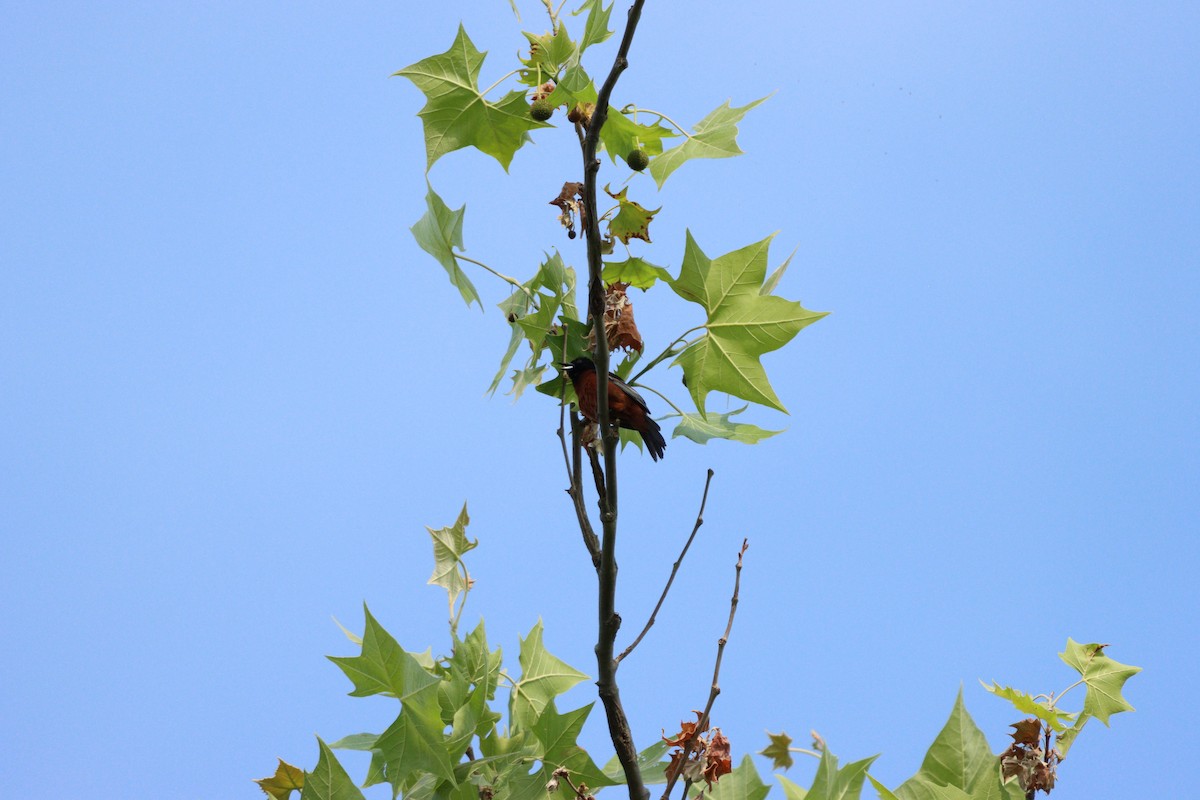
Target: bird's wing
(625,387)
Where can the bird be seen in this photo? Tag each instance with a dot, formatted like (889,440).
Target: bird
(625,406)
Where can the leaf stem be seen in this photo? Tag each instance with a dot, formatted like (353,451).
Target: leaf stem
(1059,696)
(506,278)
(658,114)
(666,353)
(666,399)
(502,79)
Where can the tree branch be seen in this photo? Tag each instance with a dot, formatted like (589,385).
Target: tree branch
(609,621)
(674,570)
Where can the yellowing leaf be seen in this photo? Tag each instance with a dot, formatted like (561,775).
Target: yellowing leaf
(631,221)
(280,785)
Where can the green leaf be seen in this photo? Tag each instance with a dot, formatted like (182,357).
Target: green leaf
(743,783)
(831,783)
(621,135)
(549,52)
(595,30)
(634,271)
(574,87)
(770,283)
(383,667)
(438,232)
(883,792)
(649,760)
(718,426)
(557,734)
(960,756)
(632,221)
(328,780)
(414,744)
(356,741)
(742,325)
(559,280)
(778,751)
(1058,720)
(715,136)
(543,677)
(1104,678)
(449,546)
(791,789)
(456,115)
(924,789)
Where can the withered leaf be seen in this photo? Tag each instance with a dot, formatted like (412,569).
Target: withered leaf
(717,761)
(1027,731)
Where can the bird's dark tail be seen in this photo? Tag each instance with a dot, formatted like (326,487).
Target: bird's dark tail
(653,438)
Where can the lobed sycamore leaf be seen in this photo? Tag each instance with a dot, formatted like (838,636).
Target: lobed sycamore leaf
(557,734)
(1025,703)
(328,780)
(449,546)
(383,667)
(1104,679)
(718,426)
(543,677)
(779,751)
(438,232)
(457,115)
(595,30)
(415,744)
(636,272)
(742,324)
(631,221)
(715,136)
(961,759)
(280,785)
(548,53)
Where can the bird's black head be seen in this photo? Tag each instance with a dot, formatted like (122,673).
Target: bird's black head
(580,366)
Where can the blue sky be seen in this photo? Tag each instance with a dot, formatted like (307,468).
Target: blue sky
(236,391)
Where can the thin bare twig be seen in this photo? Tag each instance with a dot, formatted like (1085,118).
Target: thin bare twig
(715,690)
(674,570)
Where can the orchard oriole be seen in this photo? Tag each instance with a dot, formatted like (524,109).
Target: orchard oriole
(625,406)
